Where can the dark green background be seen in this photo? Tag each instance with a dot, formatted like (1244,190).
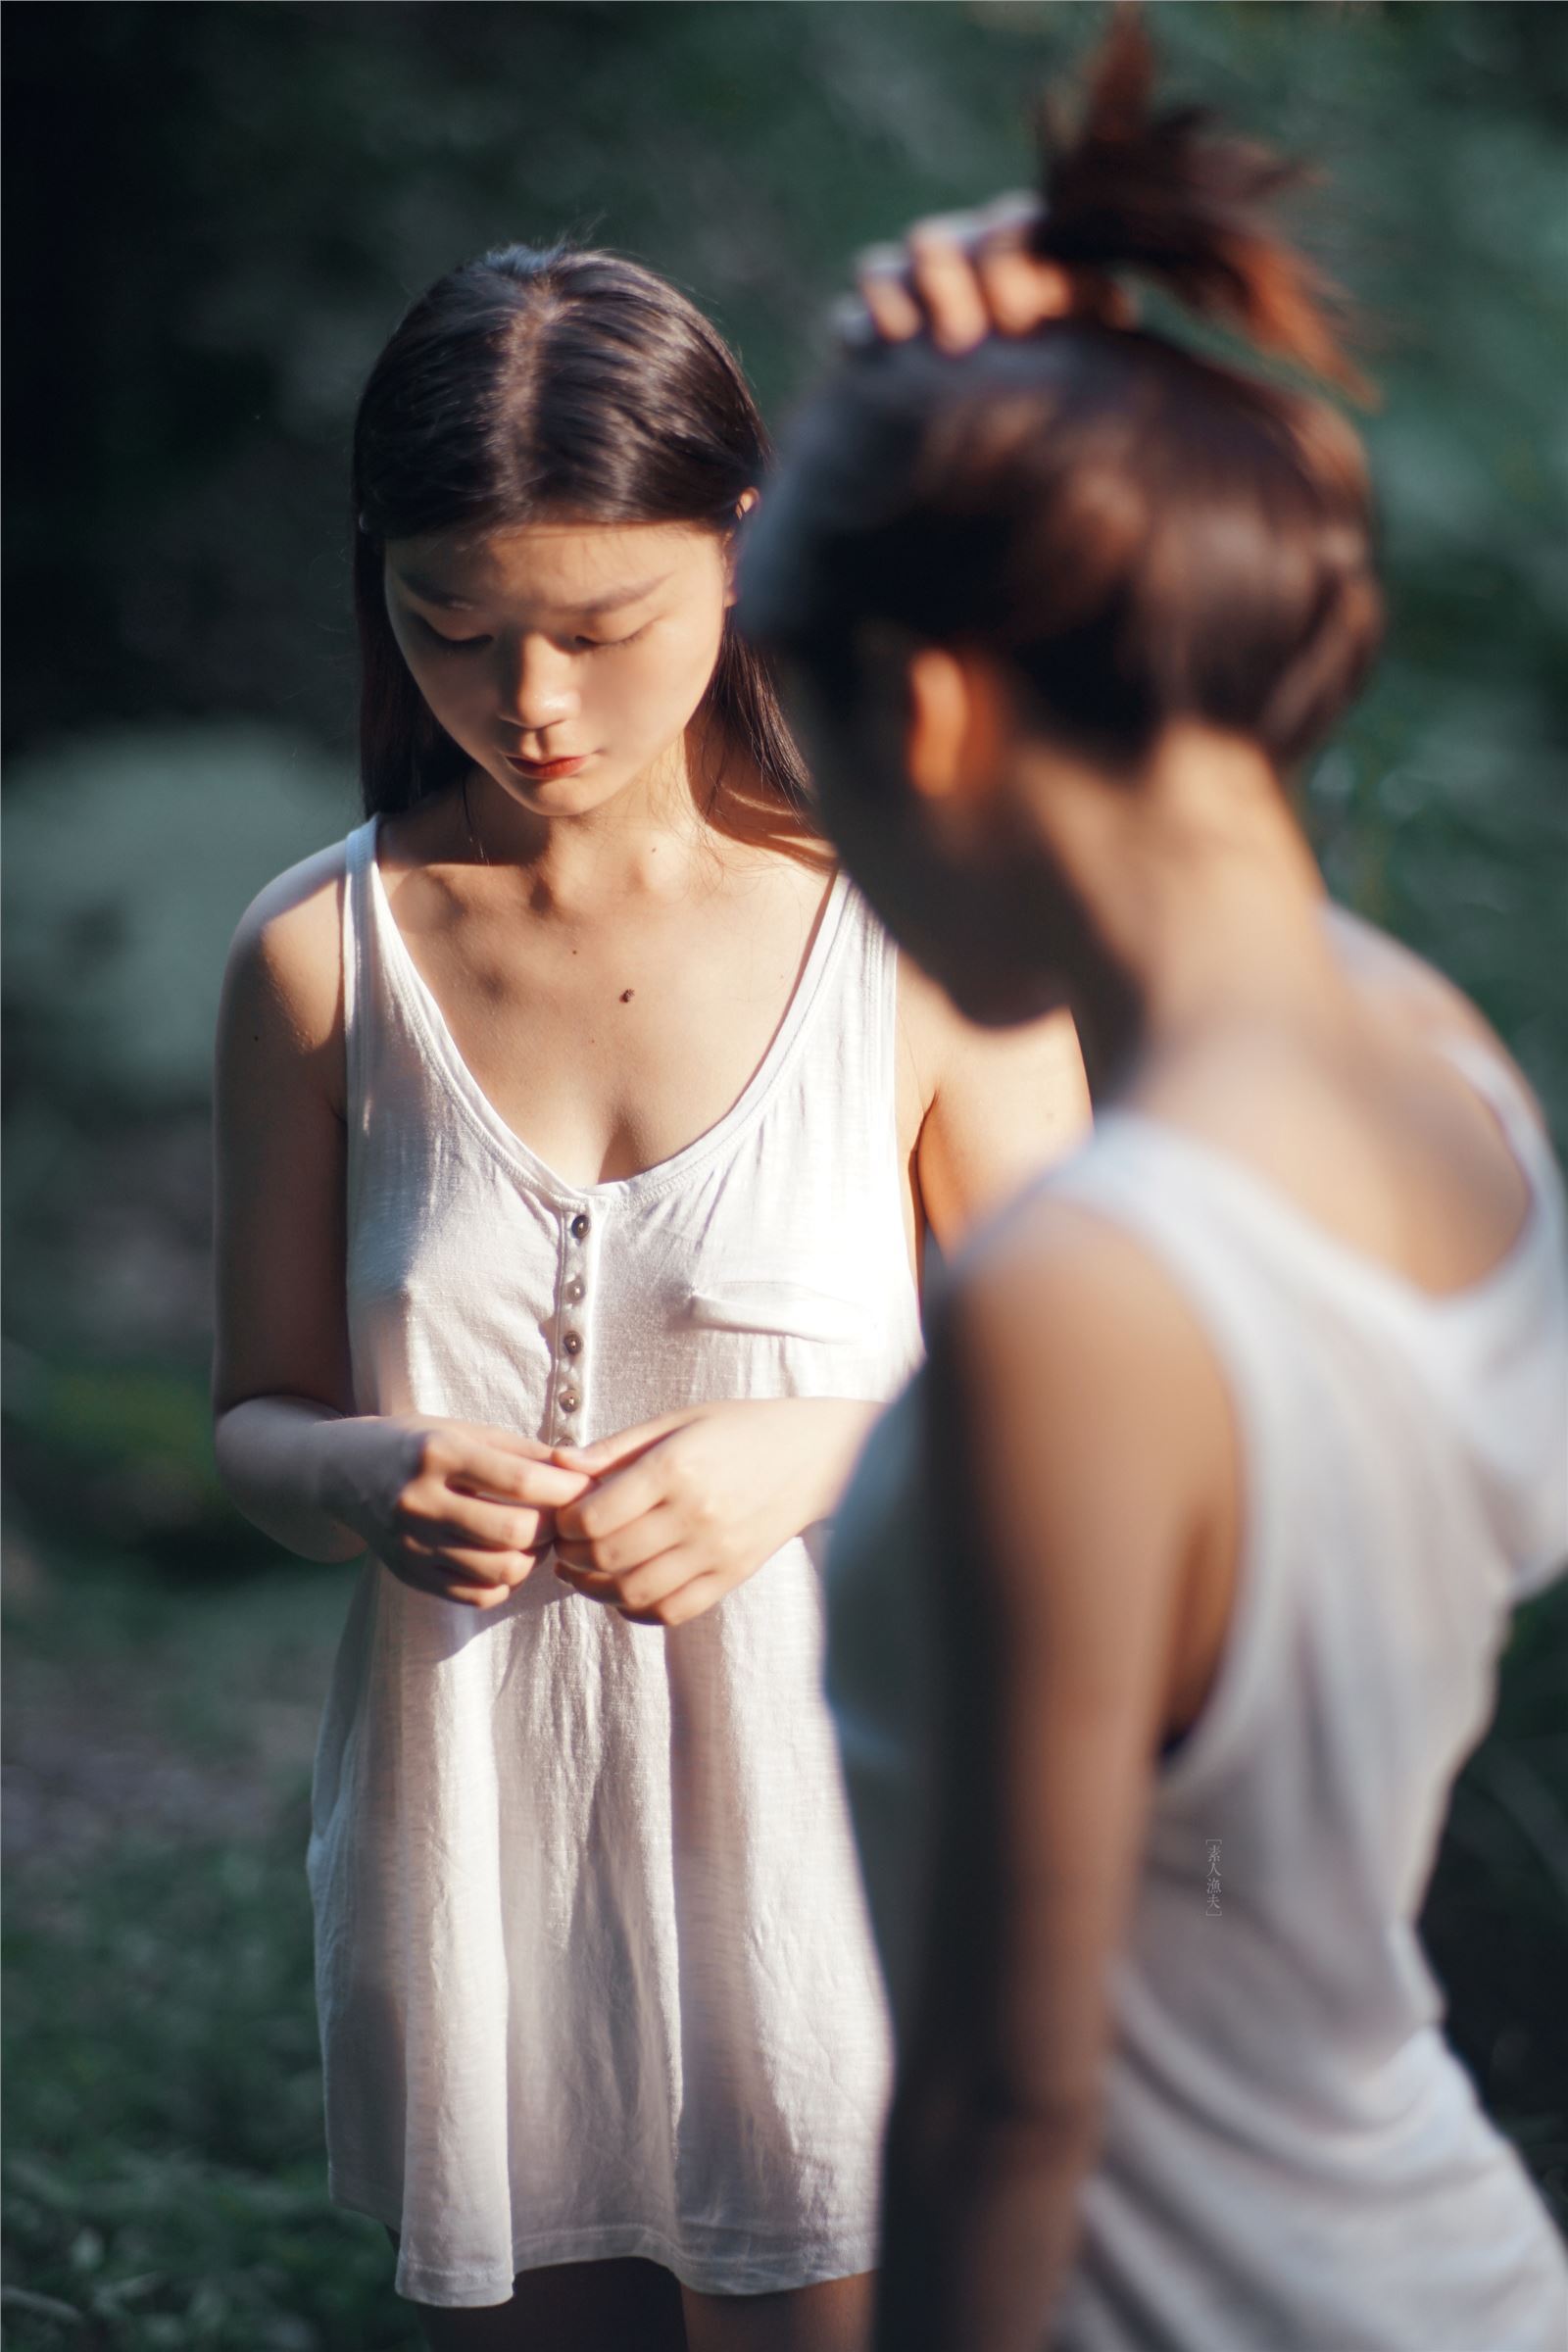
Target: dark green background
(215,214)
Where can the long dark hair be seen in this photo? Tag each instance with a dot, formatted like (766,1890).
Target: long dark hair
(549,381)
(1143,531)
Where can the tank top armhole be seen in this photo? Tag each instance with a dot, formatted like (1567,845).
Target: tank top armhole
(1504,1096)
(355,995)
(1207,1747)
(886,970)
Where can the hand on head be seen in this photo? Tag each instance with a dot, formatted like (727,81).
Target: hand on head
(960,277)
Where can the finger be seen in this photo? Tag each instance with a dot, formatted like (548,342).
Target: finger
(509,1568)
(1012,217)
(615,1503)
(1020,292)
(601,1589)
(623,1444)
(531,1479)
(652,1586)
(666,1570)
(880,277)
(630,1547)
(441,1588)
(481,1567)
(695,1597)
(438,1517)
(852,322)
(943,277)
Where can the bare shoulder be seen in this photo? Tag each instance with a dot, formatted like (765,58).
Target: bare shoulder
(954,1053)
(925,1020)
(1404,985)
(1074,1358)
(986,1109)
(283,986)
(1052,1283)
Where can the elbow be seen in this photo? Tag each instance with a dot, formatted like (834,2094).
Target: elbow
(974,2126)
(245,1457)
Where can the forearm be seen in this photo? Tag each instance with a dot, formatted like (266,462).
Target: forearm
(979,2229)
(836,1429)
(274,1458)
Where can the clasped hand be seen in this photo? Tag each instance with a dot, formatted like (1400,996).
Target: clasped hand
(684,1509)
(659,1521)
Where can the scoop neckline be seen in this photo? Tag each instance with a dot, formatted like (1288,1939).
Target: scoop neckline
(1344,1257)
(660,1175)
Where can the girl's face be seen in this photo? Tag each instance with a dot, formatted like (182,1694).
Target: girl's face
(567,658)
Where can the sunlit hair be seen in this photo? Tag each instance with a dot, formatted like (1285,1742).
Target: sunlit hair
(540,384)
(1141,532)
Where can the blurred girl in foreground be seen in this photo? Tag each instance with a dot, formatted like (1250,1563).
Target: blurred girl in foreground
(1167,1600)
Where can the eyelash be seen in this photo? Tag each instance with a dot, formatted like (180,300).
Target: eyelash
(463,644)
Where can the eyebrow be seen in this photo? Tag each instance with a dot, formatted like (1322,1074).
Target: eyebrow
(430,593)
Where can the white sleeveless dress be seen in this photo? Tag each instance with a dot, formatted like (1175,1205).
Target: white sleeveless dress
(594,1972)
(1294,2157)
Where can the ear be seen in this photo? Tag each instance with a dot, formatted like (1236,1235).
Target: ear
(954,727)
(744,504)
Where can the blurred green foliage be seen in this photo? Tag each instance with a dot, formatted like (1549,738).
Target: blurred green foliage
(217,213)
(164,2179)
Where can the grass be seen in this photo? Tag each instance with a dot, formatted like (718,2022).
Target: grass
(164,2177)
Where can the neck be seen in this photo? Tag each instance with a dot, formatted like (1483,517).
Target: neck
(1201,901)
(644,842)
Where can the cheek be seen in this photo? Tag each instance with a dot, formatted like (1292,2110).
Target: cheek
(658,684)
(443,685)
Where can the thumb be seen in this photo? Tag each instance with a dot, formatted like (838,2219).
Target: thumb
(610,1453)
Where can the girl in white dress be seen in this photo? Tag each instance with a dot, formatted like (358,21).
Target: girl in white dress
(1166,1603)
(578,1130)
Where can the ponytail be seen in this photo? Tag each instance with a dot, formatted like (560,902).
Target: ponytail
(1172,196)
(1140,532)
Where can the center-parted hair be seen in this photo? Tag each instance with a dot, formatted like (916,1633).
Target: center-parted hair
(1141,532)
(548,383)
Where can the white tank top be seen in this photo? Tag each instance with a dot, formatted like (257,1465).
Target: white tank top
(594,1972)
(1293,2155)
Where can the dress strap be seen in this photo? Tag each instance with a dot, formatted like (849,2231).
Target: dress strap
(358,848)
(1505,1097)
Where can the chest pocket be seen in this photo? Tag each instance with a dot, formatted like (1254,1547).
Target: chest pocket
(776,1304)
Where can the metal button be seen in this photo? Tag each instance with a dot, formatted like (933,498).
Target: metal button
(569,1400)
(572,1291)
(579,1226)
(572,1341)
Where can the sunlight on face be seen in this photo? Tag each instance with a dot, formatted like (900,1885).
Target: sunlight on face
(585,644)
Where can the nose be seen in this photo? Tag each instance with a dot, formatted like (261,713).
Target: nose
(537,687)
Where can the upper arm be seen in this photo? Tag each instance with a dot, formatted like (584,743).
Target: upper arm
(1080,1440)
(278,1148)
(1001,1105)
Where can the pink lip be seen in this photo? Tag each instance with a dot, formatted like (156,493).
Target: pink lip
(543,770)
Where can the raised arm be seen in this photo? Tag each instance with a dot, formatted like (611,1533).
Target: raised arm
(1082,1469)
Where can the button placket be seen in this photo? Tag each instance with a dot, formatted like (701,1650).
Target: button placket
(570,1344)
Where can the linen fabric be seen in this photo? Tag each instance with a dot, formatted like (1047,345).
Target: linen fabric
(594,1972)
(1293,2156)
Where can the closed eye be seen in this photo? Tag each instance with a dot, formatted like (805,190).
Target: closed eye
(584,645)
(607,645)
(456,645)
